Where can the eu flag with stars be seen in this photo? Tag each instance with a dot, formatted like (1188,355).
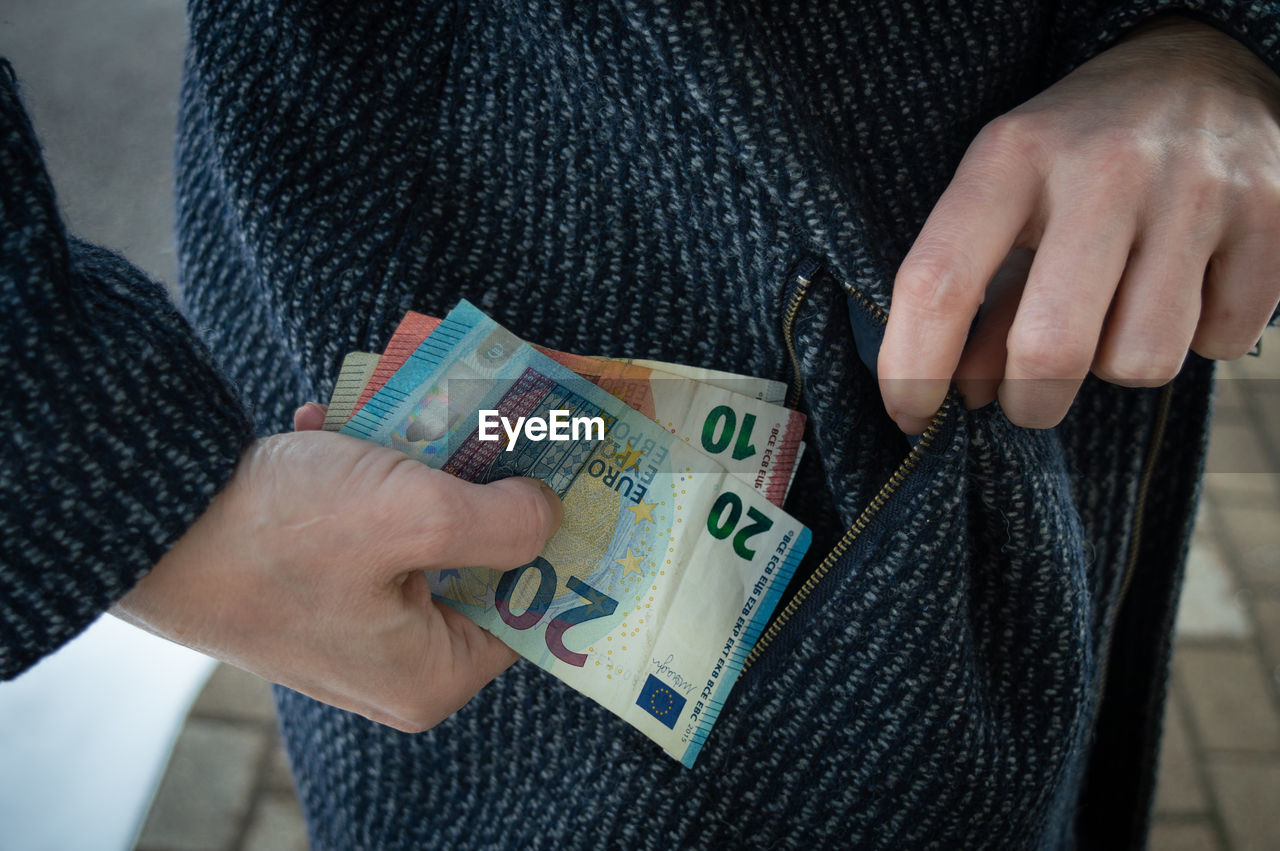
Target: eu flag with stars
(661,701)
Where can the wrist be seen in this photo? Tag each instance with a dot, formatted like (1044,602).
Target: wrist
(1203,49)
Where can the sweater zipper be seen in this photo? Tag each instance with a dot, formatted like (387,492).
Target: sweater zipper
(779,621)
(798,295)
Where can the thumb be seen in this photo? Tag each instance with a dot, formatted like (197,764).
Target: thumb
(500,525)
(513,519)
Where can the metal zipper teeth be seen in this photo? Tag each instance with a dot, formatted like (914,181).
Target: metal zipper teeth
(895,481)
(788,337)
(867,304)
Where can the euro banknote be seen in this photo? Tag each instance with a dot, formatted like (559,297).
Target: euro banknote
(758,441)
(357,368)
(665,569)
(764,389)
(415,327)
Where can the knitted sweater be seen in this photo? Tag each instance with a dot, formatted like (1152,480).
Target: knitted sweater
(981,658)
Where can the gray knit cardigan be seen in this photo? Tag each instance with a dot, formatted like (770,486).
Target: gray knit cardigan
(980,653)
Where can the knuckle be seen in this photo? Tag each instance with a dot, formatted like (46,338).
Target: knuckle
(934,279)
(1205,189)
(1261,198)
(1046,350)
(1038,406)
(1199,150)
(1202,198)
(396,722)
(421,721)
(1012,135)
(1222,351)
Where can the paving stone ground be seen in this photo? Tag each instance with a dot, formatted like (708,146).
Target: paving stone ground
(102,86)
(1219,784)
(228,784)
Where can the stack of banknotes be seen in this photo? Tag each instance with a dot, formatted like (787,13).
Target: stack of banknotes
(673,551)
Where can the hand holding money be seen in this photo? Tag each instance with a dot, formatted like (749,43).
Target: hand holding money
(308,570)
(674,550)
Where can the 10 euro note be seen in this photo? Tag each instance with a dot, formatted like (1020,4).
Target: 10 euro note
(665,569)
(764,389)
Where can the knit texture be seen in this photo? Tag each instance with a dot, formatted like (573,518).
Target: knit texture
(629,180)
(119,427)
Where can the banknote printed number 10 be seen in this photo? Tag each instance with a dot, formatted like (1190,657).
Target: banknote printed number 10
(718,429)
(724,517)
(599,605)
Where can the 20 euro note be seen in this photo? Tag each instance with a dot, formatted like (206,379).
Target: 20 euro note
(665,569)
(759,442)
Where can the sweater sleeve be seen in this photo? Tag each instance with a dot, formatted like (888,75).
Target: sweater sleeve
(116,427)
(1082,30)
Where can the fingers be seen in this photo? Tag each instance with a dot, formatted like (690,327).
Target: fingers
(982,365)
(1240,295)
(990,202)
(310,417)
(410,676)
(1069,289)
(1155,309)
(477,657)
(1130,177)
(443,661)
(1098,295)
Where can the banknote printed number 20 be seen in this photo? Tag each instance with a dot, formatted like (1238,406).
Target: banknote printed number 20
(724,517)
(599,605)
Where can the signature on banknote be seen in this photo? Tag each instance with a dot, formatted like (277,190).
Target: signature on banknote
(677,681)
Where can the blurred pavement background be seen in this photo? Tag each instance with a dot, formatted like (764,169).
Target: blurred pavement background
(101,82)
